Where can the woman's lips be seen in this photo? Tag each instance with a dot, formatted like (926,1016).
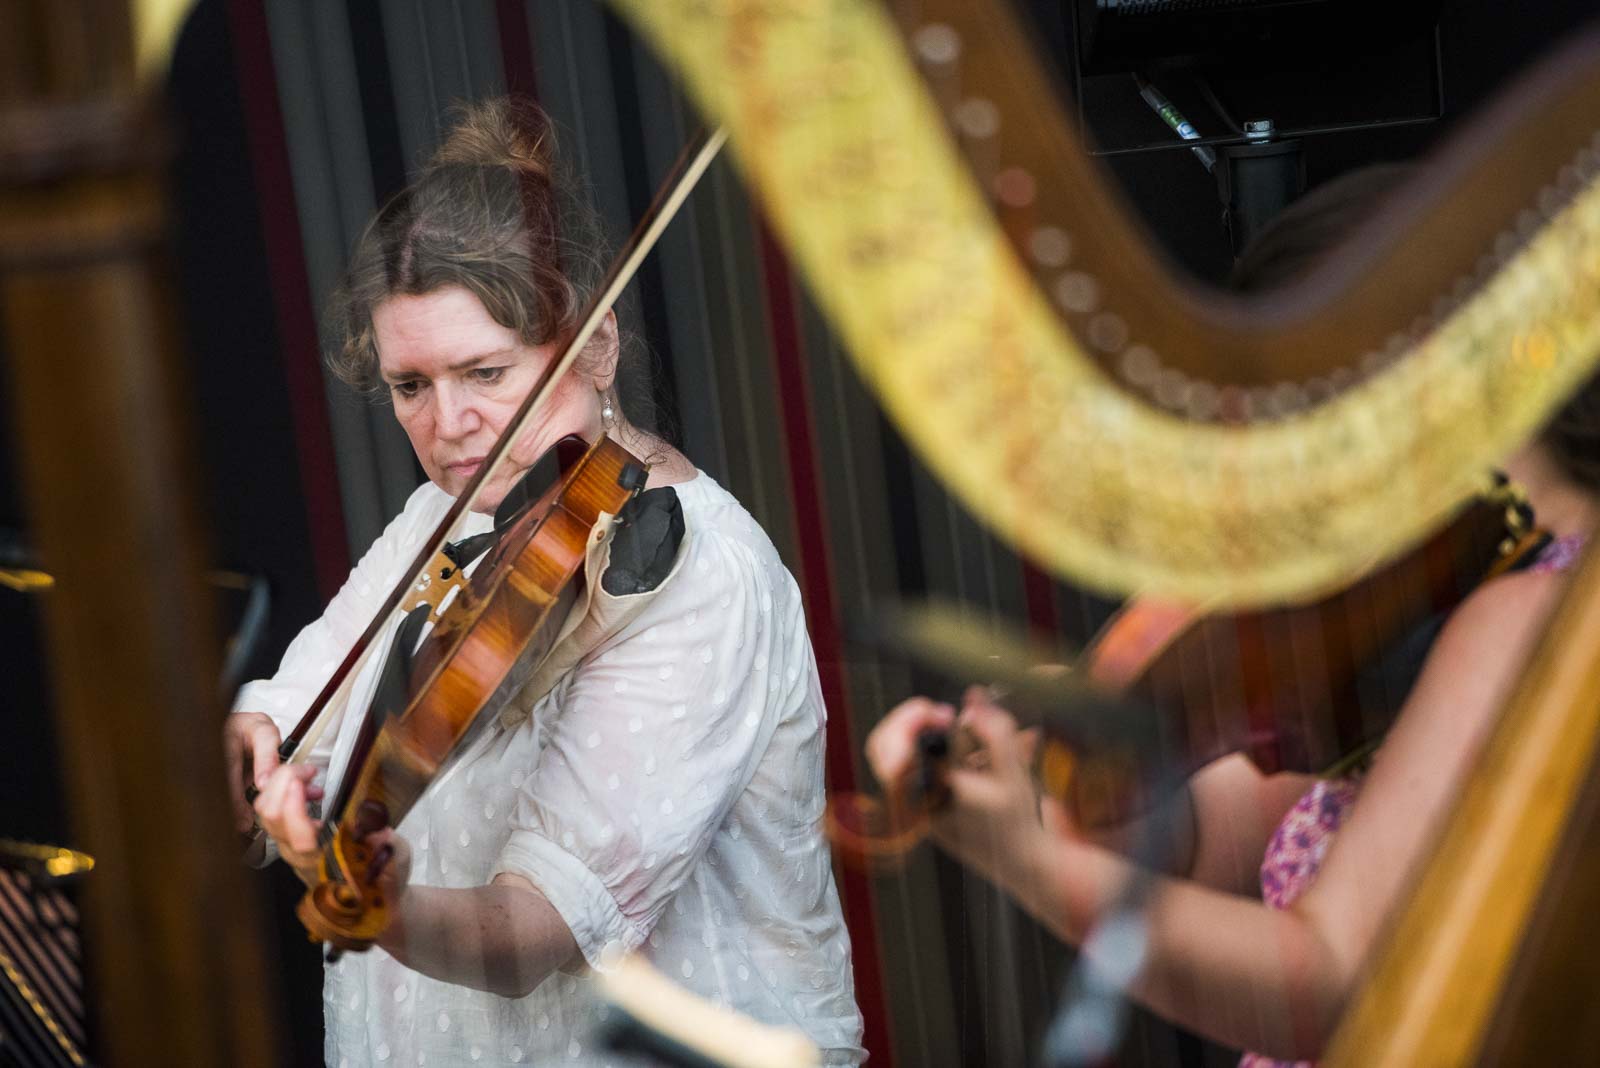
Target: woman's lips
(466,468)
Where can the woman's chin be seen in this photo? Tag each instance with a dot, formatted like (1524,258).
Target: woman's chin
(455,485)
(490,499)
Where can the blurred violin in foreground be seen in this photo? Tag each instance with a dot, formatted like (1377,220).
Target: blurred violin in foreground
(1165,689)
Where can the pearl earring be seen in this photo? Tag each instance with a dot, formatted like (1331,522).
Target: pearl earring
(608,418)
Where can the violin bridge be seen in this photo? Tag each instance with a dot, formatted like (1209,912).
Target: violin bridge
(441,576)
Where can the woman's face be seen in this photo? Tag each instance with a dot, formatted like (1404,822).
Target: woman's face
(457,377)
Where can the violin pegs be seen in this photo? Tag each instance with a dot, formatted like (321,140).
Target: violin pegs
(380,861)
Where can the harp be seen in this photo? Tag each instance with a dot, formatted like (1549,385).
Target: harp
(1035,327)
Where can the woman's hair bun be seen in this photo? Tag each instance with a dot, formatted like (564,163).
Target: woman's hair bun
(502,132)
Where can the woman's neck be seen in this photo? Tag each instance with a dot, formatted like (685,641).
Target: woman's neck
(668,466)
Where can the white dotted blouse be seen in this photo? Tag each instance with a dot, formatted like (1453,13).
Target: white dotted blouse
(664,794)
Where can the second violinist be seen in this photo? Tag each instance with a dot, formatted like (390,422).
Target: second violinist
(663,794)
(1277,886)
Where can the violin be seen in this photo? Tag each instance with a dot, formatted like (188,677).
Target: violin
(500,624)
(1166,688)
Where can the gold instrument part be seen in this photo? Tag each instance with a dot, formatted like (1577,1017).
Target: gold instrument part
(26,580)
(712,1033)
(55,862)
(41,1011)
(155,29)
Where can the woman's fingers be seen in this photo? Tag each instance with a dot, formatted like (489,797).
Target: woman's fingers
(892,745)
(269,802)
(994,782)
(393,855)
(977,694)
(281,810)
(992,726)
(1028,744)
(233,746)
(263,754)
(248,737)
(1056,819)
(299,830)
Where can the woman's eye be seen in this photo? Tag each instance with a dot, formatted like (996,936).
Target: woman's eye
(488,376)
(405,390)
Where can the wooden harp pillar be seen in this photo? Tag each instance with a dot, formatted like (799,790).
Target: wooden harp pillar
(1490,960)
(88,332)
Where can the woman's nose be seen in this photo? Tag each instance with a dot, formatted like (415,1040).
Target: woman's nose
(454,415)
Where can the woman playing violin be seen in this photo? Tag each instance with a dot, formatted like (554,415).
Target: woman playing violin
(1279,884)
(661,792)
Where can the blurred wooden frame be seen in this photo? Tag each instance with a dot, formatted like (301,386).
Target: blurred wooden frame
(90,333)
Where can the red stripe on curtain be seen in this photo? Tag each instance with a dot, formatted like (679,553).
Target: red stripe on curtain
(516,47)
(291,293)
(817,586)
(1039,596)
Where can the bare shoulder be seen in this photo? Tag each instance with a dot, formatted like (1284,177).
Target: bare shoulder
(1482,649)
(1500,619)
(1445,721)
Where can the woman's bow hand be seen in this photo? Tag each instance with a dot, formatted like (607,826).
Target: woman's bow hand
(250,741)
(283,812)
(281,809)
(994,821)
(892,747)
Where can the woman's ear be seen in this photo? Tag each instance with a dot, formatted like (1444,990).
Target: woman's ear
(607,347)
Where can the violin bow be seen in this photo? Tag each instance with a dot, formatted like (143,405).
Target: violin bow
(681,179)
(1130,431)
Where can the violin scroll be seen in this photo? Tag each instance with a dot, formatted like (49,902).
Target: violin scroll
(346,910)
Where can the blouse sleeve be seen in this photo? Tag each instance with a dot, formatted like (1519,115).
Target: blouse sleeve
(321,645)
(659,732)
